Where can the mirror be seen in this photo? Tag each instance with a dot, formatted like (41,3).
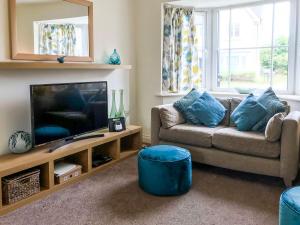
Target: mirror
(47,29)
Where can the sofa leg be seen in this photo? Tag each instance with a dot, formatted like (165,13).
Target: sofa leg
(288,182)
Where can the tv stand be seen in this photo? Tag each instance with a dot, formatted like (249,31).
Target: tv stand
(115,145)
(72,140)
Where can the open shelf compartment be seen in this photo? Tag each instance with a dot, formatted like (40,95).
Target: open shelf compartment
(44,182)
(79,158)
(109,149)
(129,145)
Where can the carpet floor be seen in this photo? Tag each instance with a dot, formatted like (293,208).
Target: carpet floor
(112,197)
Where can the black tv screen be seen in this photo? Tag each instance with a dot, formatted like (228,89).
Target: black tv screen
(59,111)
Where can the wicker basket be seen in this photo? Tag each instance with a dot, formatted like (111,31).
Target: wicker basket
(21,185)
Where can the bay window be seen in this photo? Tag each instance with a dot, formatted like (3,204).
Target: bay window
(247,46)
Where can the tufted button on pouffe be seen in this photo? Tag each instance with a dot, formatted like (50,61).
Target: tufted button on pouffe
(289,209)
(165,170)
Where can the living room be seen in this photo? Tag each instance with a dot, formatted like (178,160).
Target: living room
(140,57)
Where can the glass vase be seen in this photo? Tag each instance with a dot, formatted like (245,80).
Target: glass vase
(121,112)
(113,111)
(115,58)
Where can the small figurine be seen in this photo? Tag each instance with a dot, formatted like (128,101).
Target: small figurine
(61,59)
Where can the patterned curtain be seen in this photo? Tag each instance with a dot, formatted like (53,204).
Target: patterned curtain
(181,70)
(57,39)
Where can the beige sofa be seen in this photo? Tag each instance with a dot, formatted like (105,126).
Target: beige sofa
(225,146)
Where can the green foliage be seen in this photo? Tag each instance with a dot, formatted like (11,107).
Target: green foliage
(280,57)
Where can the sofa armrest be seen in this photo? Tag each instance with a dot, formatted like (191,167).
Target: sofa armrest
(290,144)
(155,124)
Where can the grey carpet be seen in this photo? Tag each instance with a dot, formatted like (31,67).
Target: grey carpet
(113,197)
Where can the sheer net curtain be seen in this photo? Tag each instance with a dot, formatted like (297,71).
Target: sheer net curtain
(57,39)
(181,70)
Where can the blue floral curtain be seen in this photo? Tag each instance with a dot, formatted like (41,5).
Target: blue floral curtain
(181,70)
(57,39)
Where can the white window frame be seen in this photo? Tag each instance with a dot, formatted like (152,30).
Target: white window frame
(208,53)
(292,46)
(207,46)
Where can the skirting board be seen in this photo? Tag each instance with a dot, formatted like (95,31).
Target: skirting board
(147,139)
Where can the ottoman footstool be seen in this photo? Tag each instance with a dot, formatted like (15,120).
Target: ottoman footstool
(165,170)
(289,208)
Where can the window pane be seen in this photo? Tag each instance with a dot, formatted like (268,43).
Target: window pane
(280,68)
(251,26)
(249,68)
(223,70)
(224,29)
(198,69)
(200,30)
(282,23)
(257,59)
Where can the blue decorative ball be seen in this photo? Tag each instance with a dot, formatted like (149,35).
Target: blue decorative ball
(20,142)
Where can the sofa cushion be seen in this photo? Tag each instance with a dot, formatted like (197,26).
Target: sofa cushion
(170,116)
(248,113)
(234,102)
(226,103)
(182,104)
(207,110)
(287,108)
(273,105)
(248,143)
(274,127)
(189,134)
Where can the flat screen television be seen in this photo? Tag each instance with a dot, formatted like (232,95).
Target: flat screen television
(61,111)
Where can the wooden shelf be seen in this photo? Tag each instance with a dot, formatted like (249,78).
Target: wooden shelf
(41,65)
(119,146)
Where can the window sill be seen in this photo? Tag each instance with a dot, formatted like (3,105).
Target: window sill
(295,98)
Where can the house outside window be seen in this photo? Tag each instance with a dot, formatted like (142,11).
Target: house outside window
(263,43)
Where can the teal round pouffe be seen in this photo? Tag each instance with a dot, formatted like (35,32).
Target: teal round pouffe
(289,208)
(165,170)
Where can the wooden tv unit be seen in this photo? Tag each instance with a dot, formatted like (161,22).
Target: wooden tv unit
(118,145)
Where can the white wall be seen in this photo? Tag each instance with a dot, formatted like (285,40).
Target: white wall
(113,28)
(148,25)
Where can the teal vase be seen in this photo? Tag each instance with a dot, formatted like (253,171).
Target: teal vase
(113,111)
(115,58)
(121,112)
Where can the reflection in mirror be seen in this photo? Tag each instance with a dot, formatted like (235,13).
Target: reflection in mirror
(52,27)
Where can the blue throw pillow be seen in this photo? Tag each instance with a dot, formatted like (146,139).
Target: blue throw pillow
(248,113)
(206,110)
(273,106)
(182,104)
